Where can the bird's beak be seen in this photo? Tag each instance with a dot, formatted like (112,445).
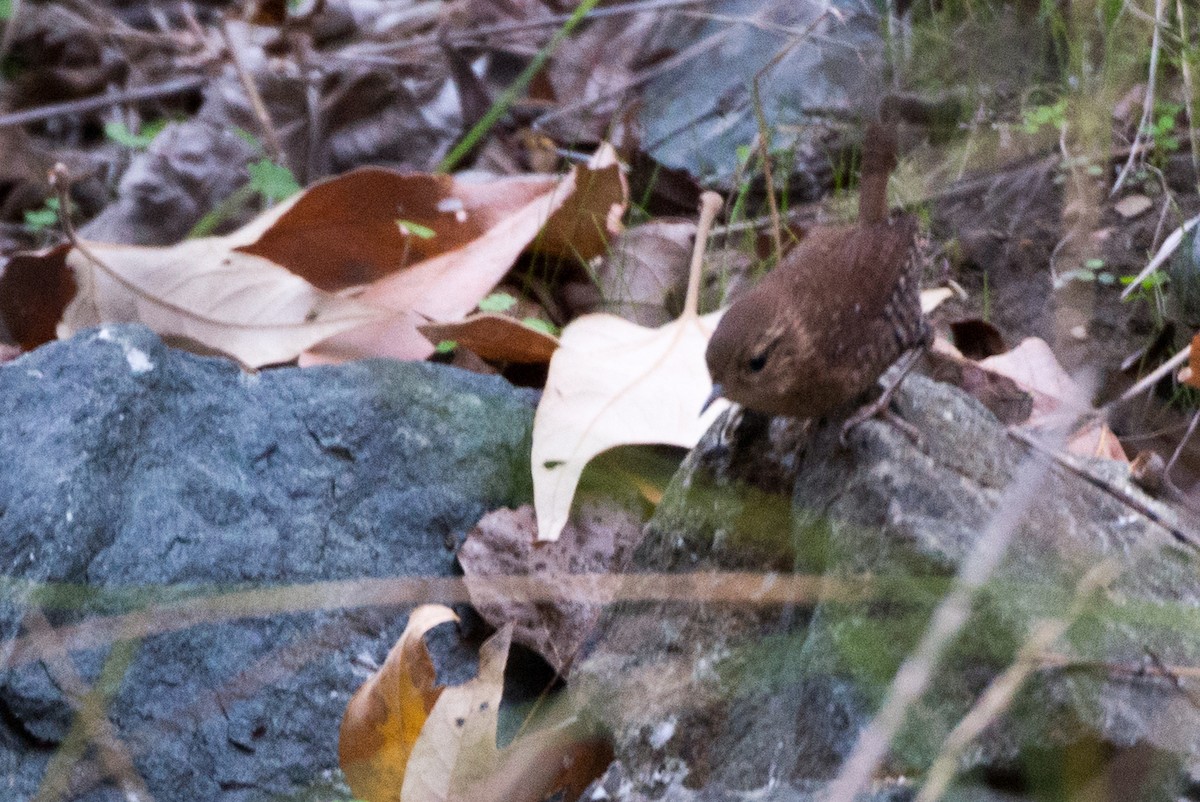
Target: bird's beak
(716,393)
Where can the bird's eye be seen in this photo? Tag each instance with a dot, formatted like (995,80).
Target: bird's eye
(758,361)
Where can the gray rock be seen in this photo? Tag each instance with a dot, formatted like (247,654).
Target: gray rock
(135,475)
(733,697)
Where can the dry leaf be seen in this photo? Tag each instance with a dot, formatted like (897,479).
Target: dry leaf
(1035,369)
(34,290)
(977,339)
(202,291)
(482,229)
(645,270)
(614,383)
(933,298)
(1192,377)
(457,746)
(546,611)
(386,714)
(1131,206)
(496,337)
(456,759)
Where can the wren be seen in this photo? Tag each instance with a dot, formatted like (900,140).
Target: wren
(843,305)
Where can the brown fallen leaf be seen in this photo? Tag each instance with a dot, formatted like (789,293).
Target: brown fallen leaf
(445,281)
(645,270)
(495,337)
(385,716)
(552,620)
(35,288)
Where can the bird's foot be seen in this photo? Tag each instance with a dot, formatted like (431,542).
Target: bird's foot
(880,407)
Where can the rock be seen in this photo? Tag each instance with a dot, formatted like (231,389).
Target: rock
(136,476)
(728,698)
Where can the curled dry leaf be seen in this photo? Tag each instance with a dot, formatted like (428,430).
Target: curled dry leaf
(1035,369)
(457,747)
(545,605)
(456,759)
(496,337)
(613,383)
(202,291)
(385,716)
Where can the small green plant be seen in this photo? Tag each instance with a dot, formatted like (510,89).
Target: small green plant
(273,181)
(544,326)
(118,132)
(41,219)
(497,302)
(1092,270)
(1151,290)
(1163,129)
(1036,118)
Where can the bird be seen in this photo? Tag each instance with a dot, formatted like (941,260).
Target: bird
(843,305)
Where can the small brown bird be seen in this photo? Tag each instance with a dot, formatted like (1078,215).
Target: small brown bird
(844,304)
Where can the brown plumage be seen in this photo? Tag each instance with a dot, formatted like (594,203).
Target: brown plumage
(844,304)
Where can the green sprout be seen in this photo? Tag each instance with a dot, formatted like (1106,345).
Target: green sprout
(273,181)
(497,302)
(118,132)
(416,229)
(41,219)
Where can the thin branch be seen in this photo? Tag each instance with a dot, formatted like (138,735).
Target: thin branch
(175,86)
(710,204)
(917,671)
(270,136)
(1147,102)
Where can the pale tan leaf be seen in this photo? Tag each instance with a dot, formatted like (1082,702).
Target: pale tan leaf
(1131,206)
(613,383)
(933,298)
(385,716)
(457,746)
(200,290)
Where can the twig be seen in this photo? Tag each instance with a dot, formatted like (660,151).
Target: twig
(510,95)
(1148,100)
(914,675)
(91,723)
(174,86)
(1161,255)
(1152,378)
(270,136)
(999,694)
(710,204)
(1189,92)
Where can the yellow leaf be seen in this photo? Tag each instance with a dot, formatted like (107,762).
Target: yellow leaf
(386,714)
